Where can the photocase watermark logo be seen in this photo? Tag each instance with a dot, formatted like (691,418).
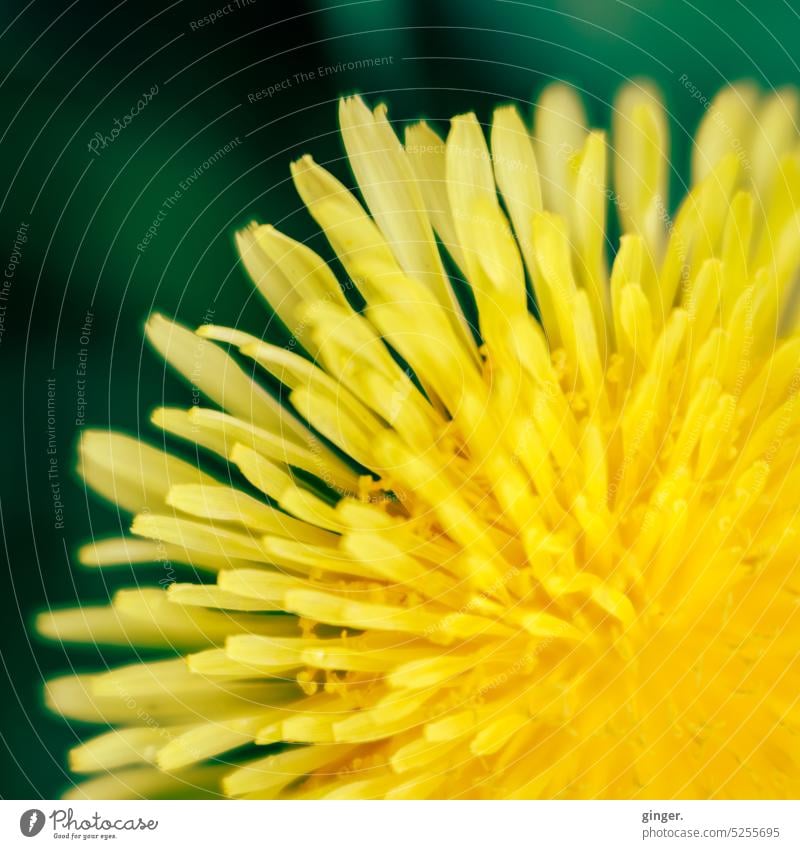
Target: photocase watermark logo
(64,823)
(101,141)
(31,822)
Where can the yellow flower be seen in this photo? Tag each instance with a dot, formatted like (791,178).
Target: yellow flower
(553,555)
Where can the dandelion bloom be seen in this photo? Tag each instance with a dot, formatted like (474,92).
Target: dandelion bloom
(550,555)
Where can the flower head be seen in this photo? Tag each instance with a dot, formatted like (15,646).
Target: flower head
(548,553)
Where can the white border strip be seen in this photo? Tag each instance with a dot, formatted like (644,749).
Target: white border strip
(402,825)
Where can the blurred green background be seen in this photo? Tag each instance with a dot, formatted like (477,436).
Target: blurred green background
(70,70)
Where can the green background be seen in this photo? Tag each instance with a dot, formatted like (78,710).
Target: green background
(68,70)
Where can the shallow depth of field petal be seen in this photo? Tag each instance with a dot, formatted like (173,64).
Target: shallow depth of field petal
(535,540)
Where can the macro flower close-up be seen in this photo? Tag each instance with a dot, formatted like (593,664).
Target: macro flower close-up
(511,516)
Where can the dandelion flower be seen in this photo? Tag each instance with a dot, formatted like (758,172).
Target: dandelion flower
(535,540)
